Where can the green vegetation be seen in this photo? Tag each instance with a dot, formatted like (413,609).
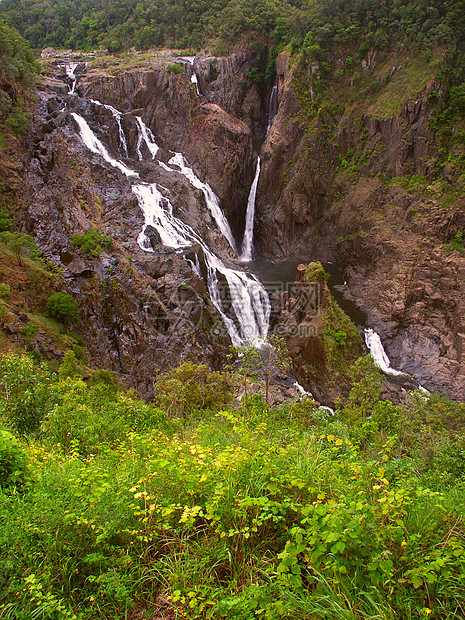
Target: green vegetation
(20,245)
(84,24)
(17,75)
(92,242)
(175,69)
(63,307)
(249,361)
(114,508)
(6,210)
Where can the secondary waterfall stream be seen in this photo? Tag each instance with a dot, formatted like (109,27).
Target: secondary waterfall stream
(249,300)
(247,243)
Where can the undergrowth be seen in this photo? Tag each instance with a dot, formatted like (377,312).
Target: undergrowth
(118,510)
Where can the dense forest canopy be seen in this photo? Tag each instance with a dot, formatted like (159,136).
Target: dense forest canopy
(85,24)
(17,70)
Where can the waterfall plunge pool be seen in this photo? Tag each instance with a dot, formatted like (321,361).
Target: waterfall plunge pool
(281,275)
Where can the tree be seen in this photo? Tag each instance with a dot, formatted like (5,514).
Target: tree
(268,359)
(20,244)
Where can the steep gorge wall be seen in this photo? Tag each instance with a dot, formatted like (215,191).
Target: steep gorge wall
(329,191)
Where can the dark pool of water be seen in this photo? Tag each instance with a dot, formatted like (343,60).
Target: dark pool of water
(276,276)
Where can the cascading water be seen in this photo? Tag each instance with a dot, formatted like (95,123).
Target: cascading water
(147,136)
(273,107)
(94,144)
(211,199)
(374,345)
(247,242)
(194,80)
(249,299)
(70,69)
(117,116)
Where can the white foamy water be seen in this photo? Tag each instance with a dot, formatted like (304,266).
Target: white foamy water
(373,342)
(247,243)
(179,164)
(147,136)
(70,69)
(302,391)
(117,116)
(94,144)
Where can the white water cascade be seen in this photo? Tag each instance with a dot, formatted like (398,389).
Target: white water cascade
(249,299)
(273,107)
(117,116)
(147,136)
(374,345)
(247,242)
(94,144)
(194,80)
(70,69)
(211,199)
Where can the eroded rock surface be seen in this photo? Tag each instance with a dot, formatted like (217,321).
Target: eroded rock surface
(391,240)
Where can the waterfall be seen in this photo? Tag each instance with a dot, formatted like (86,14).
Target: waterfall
(94,144)
(374,345)
(194,80)
(249,299)
(117,116)
(211,199)
(70,69)
(247,242)
(273,107)
(147,136)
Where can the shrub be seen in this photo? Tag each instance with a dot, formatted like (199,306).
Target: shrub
(191,387)
(5,290)
(70,366)
(24,392)
(29,331)
(13,461)
(3,312)
(91,242)
(176,69)
(86,418)
(315,272)
(339,336)
(63,308)
(6,221)
(457,241)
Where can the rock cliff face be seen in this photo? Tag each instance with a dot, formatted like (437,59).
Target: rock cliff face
(330,190)
(226,82)
(139,312)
